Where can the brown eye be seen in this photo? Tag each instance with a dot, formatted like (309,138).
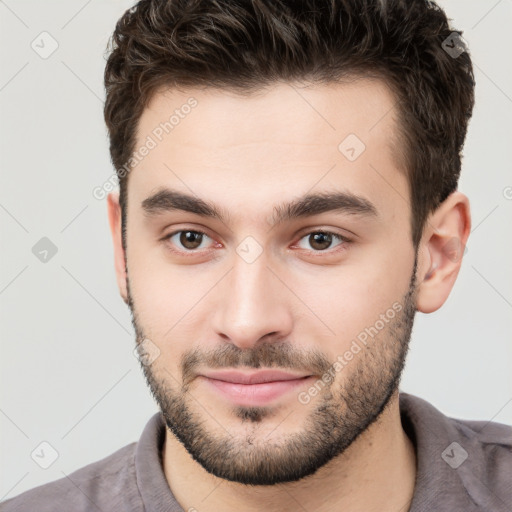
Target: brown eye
(191,239)
(186,240)
(319,241)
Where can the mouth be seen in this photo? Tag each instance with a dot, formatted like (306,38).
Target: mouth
(255,388)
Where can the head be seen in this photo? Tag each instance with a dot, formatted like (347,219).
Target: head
(310,153)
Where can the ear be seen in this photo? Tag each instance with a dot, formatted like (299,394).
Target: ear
(114,218)
(440,252)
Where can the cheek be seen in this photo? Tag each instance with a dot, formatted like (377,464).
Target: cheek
(352,297)
(169,299)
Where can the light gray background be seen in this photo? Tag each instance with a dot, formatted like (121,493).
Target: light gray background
(68,373)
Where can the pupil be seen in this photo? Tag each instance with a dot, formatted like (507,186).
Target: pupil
(321,238)
(190,237)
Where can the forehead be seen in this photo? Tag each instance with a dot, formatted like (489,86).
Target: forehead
(363,106)
(285,139)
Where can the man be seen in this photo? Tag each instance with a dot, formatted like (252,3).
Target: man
(288,200)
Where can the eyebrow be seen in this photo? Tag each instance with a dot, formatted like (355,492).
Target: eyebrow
(166,200)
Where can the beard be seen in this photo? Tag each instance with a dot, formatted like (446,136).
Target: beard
(343,410)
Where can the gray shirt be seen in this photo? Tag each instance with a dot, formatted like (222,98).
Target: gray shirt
(462,466)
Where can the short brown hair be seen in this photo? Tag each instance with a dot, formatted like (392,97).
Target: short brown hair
(246,44)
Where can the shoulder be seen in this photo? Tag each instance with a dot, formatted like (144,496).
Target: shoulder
(487,447)
(107,484)
(463,460)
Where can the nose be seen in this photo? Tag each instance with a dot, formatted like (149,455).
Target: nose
(254,304)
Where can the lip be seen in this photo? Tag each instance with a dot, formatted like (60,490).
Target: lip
(253,389)
(257,377)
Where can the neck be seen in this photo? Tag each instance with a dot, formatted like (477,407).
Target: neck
(376,473)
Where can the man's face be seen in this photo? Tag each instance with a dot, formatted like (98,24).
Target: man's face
(263,290)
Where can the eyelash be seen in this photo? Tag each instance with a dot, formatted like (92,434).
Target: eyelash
(194,252)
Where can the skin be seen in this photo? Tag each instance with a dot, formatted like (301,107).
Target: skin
(295,307)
